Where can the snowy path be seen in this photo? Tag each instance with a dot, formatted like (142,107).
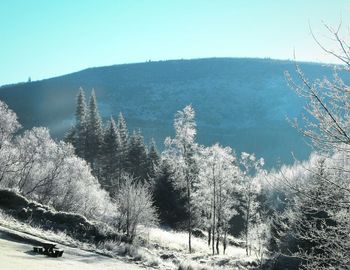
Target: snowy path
(19,256)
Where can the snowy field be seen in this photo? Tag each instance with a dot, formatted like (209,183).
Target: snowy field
(178,242)
(172,244)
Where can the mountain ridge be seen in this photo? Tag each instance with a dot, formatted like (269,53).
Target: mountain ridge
(168,60)
(240,102)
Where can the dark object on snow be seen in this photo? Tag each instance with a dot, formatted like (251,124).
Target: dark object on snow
(49,249)
(198,233)
(168,256)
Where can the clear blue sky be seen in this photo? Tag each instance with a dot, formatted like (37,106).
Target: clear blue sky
(46,38)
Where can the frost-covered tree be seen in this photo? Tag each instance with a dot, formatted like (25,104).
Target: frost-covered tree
(326,123)
(49,172)
(218,178)
(313,227)
(181,151)
(135,206)
(8,127)
(8,124)
(327,118)
(77,190)
(39,162)
(250,188)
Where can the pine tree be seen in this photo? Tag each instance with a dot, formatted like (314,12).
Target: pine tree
(81,124)
(109,157)
(71,137)
(123,137)
(137,157)
(152,159)
(80,112)
(122,131)
(94,135)
(170,203)
(77,134)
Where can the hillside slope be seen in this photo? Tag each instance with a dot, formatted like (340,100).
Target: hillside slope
(239,102)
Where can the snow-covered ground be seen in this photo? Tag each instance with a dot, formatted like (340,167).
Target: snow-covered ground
(18,255)
(158,249)
(174,246)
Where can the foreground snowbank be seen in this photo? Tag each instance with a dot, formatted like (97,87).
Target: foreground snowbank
(18,255)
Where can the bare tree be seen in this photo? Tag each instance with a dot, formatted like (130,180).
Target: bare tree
(218,173)
(250,188)
(318,212)
(327,118)
(9,124)
(180,152)
(135,206)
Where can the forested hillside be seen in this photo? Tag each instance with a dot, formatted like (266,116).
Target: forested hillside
(242,103)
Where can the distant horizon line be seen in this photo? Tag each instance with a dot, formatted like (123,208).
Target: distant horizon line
(169,60)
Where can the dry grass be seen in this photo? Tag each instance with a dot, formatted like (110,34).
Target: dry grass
(135,253)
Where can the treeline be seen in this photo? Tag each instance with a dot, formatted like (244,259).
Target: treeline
(213,184)
(109,149)
(296,215)
(192,186)
(49,172)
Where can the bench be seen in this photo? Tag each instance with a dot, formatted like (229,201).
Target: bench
(49,249)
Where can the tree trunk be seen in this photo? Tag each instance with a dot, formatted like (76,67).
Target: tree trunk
(190,216)
(214,213)
(213,237)
(217,242)
(247,227)
(128,216)
(209,235)
(224,243)
(218,226)
(218,233)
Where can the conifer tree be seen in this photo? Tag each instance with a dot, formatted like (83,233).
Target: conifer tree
(71,137)
(122,131)
(81,125)
(109,157)
(77,134)
(80,112)
(123,136)
(152,159)
(170,203)
(94,135)
(137,156)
